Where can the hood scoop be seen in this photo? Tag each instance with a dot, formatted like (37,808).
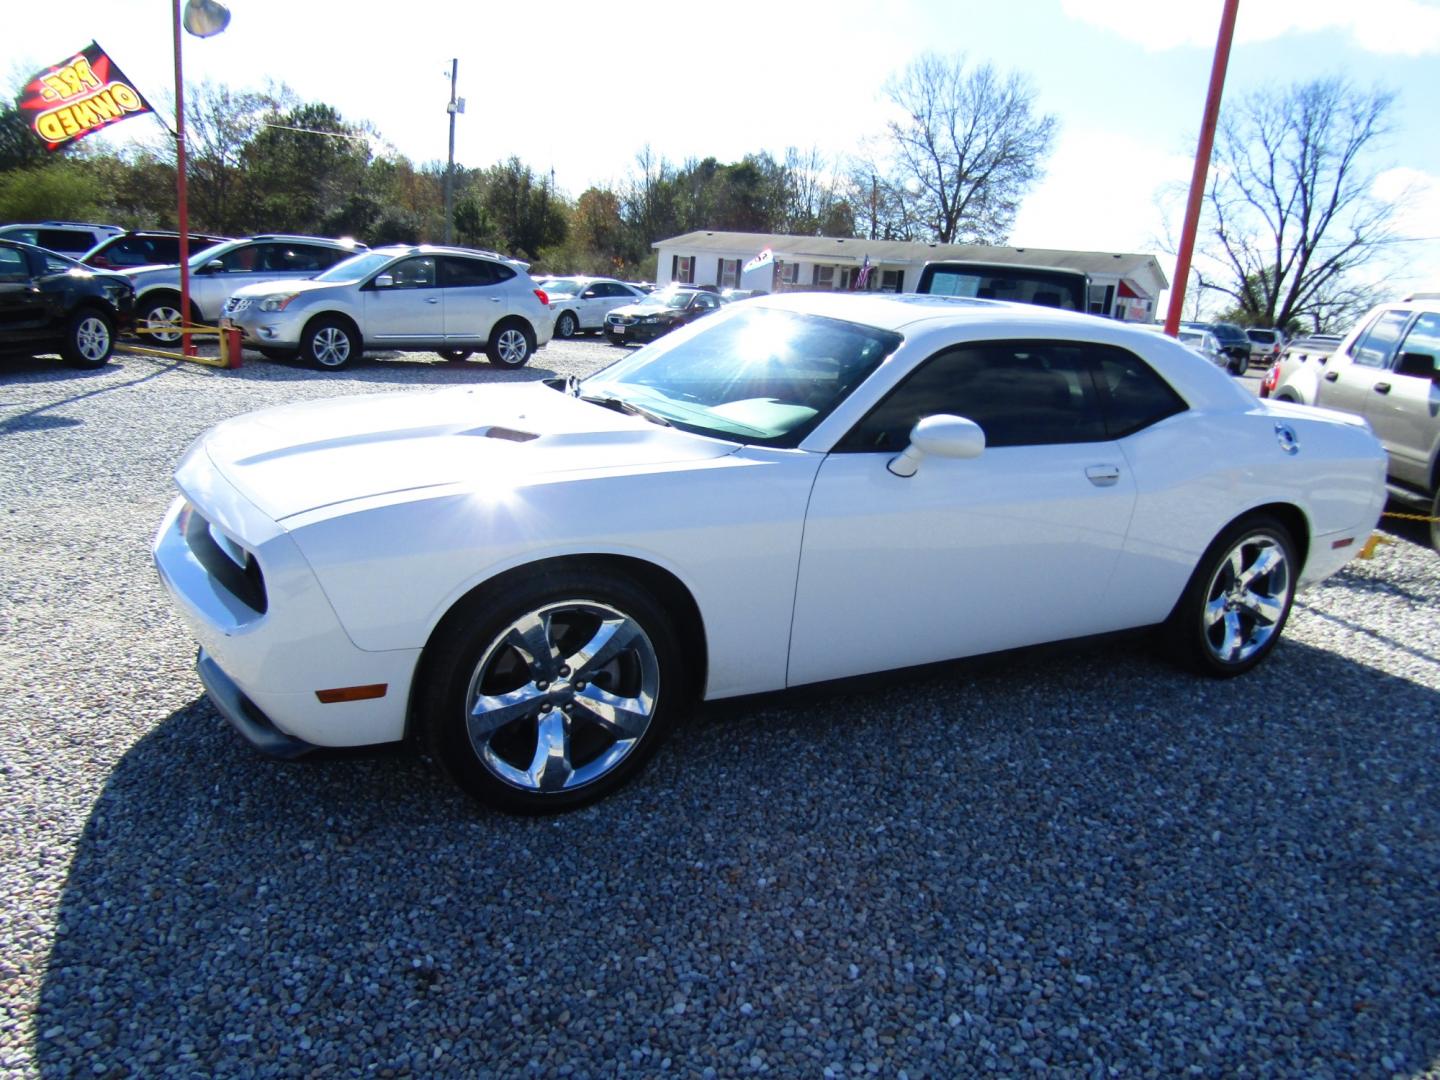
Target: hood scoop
(504,434)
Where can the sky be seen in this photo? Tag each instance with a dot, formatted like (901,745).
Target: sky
(581,87)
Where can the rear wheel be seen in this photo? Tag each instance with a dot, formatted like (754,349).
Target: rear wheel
(89,339)
(1239,365)
(1235,607)
(511,345)
(329,344)
(549,694)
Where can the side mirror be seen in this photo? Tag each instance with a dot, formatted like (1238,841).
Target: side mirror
(943,436)
(1419,364)
(384,281)
(214,266)
(588,294)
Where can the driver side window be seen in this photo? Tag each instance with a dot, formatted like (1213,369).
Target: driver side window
(1021,393)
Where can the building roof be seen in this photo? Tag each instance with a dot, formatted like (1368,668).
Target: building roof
(854,250)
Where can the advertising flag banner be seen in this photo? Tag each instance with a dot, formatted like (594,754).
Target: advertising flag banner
(763,259)
(79,96)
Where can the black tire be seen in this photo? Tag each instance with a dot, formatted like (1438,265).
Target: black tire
(454,356)
(329,344)
(511,345)
(159,309)
(495,753)
(1223,625)
(1239,365)
(89,339)
(566,325)
(272,353)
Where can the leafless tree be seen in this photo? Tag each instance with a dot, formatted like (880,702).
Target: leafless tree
(1290,208)
(968,149)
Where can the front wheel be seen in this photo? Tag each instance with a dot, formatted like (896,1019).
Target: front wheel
(1235,607)
(511,345)
(89,340)
(1239,365)
(548,694)
(329,344)
(565,325)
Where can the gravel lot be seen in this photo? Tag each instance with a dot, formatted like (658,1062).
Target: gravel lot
(1082,862)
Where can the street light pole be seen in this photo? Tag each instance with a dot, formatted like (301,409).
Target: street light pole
(187,344)
(450,166)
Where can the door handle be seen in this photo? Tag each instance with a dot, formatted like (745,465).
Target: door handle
(432,299)
(1103,475)
(1382,388)
(1331,376)
(495,299)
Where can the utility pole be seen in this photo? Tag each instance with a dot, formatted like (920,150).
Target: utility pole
(453,108)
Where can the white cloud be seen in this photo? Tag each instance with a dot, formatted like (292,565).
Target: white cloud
(1404,27)
(1415,260)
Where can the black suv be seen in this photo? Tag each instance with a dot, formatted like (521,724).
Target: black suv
(1234,344)
(49,302)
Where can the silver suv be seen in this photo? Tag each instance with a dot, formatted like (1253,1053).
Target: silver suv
(451,301)
(217,272)
(1387,369)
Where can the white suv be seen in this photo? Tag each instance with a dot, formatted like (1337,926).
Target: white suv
(581,303)
(217,272)
(451,301)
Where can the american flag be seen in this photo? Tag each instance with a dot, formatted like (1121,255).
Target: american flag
(864,275)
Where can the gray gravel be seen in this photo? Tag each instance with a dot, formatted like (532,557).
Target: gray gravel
(1084,863)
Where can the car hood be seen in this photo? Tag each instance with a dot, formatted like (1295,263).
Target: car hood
(287,285)
(643,307)
(299,458)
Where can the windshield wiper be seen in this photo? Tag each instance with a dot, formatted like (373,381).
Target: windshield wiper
(621,405)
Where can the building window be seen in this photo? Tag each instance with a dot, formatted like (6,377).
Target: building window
(892,280)
(682,269)
(729,274)
(790,273)
(824,277)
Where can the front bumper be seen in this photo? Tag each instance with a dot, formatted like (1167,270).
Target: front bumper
(271,329)
(620,333)
(265,669)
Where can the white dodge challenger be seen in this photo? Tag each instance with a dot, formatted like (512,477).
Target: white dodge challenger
(531,580)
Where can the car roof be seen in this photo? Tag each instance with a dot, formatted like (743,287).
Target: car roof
(440,249)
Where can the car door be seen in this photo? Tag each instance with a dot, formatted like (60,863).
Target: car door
(404,304)
(477,296)
(1403,405)
(24,308)
(967,556)
(1348,381)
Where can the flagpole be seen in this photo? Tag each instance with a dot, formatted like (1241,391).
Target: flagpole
(187,346)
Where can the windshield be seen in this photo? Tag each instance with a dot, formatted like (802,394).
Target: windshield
(667,298)
(750,374)
(355,267)
(560,286)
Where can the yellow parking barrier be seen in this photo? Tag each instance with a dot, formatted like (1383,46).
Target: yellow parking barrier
(1410,517)
(230,348)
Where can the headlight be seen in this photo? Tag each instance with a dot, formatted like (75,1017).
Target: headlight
(277,303)
(648,319)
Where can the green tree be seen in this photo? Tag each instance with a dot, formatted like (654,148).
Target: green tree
(300,168)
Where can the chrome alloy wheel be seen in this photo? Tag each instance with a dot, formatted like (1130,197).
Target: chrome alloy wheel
(1247,599)
(512,347)
(330,346)
(92,339)
(562,696)
(164,323)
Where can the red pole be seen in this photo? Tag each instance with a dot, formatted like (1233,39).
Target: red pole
(187,343)
(1202,168)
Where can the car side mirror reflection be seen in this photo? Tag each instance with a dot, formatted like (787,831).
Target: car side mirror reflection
(384,281)
(941,436)
(1419,364)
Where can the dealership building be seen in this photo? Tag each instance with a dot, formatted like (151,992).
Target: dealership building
(1122,285)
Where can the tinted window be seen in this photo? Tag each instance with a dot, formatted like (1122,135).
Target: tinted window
(1373,348)
(1424,337)
(1026,285)
(66,240)
(1134,396)
(416,273)
(13,266)
(457,272)
(295,258)
(1021,393)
